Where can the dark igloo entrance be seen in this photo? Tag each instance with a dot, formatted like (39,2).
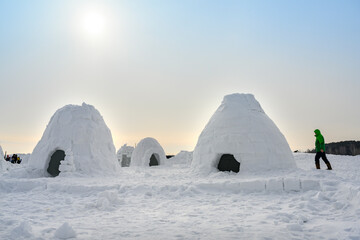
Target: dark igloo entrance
(54,163)
(153,160)
(228,163)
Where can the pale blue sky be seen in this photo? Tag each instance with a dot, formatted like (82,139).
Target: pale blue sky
(161,68)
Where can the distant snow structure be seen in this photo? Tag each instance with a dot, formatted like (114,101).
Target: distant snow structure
(240,137)
(75,140)
(2,160)
(183,158)
(124,155)
(148,152)
(2,153)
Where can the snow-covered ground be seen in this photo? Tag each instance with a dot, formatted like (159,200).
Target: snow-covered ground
(172,202)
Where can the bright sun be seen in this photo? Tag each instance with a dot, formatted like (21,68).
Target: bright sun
(93,23)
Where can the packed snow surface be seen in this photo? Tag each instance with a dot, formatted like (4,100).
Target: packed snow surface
(82,134)
(144,150)
(241,128)
(171,202)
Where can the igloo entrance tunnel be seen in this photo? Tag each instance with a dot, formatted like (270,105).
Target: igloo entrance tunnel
(75,140)
(154,160)
(54,163)
(227,162)
(240,137)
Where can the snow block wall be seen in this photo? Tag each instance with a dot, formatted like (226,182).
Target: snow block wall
(240,127)
(81,133)
(147,152)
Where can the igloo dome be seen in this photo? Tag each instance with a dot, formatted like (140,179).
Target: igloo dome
(240,137)
(75,140)
(148,152)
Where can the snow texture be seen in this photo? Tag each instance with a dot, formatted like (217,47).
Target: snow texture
(170,202)
(24,230)
(125,150)
(2,152)
(82,134)
(144,150)
(4,165)
(240,127)
(65,232)
(2,160)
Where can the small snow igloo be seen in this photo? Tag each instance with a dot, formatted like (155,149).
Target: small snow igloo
(148,152)
(240,137)
(75,140)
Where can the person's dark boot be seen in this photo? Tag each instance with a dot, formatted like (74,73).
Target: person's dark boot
(329,166)
(317,165)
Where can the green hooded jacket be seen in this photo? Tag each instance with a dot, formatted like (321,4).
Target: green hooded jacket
(319,142)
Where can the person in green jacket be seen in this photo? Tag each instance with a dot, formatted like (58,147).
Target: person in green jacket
(320,150)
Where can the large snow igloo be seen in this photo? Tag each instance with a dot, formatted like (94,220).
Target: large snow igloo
(148,152)
(75,140)
(240,137)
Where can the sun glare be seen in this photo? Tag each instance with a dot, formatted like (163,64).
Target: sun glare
(93,23)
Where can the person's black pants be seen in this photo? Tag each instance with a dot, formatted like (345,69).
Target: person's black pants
(324,158)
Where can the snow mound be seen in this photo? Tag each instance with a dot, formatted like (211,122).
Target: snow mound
(80,133)
(4,165)
(2,160)
(108,201)
(240,127)
(2,152)
(23,231)
(183,157)
(65,232)
(146,152)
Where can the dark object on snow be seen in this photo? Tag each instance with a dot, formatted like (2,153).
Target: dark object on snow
(169,156)
(153,161)
(351,148)
(320,150)
(344,148)
(14,158)
(54,163)
(125,162)
(228,163)
(324,158)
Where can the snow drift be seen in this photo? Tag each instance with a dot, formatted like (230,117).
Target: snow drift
(148,153)
(75,140)
(2,152)
(240,131)
(183,157)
